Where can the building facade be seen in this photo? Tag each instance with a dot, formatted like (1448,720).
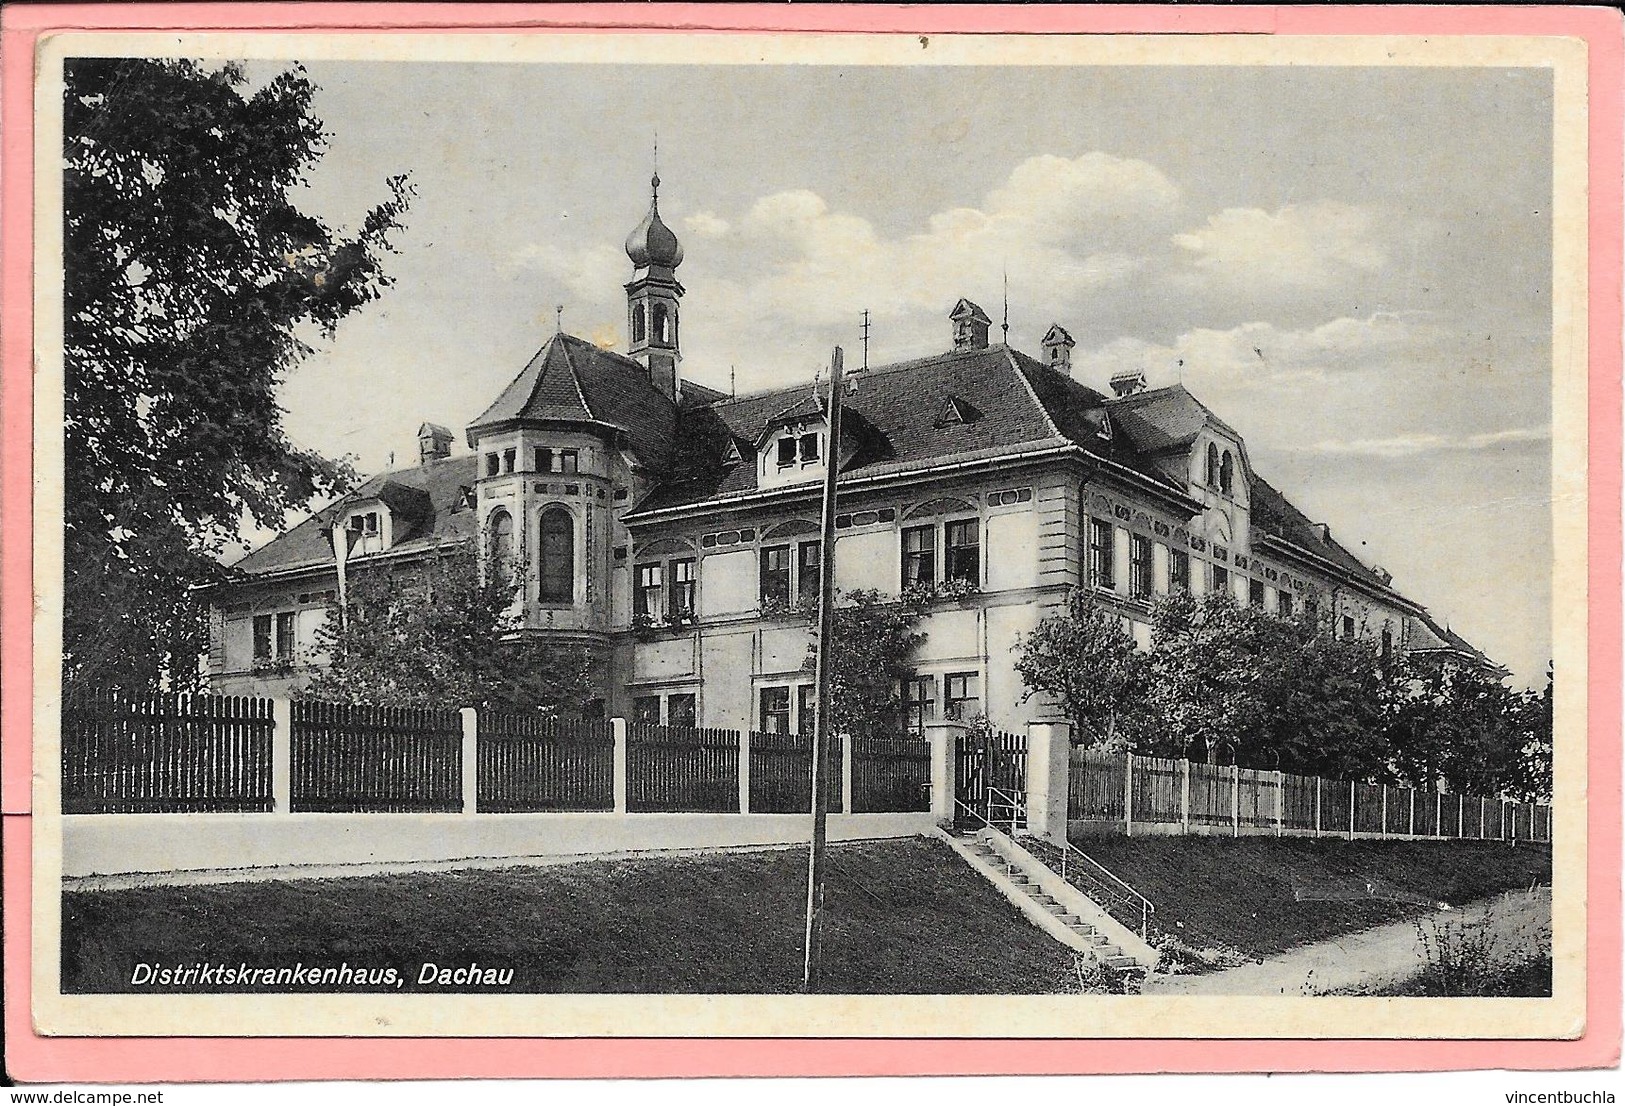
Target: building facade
(676,529)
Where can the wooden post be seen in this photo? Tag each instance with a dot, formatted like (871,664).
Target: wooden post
(1480,802)
(1317,807)
(1384,832)
(1185,796)
(744,771)
(1128,794)
(617,727)
(1280,802)
(1351,810)
(1410,828)
(1235,799)
(281,756)
(471,778)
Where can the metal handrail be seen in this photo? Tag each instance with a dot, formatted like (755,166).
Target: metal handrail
(1112,883)
(1013,801)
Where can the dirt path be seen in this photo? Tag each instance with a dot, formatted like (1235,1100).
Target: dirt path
(1366,958)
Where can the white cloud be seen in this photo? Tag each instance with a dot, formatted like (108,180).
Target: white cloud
(1410,445)
(1299,246)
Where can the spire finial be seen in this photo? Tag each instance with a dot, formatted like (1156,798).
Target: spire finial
(558,317)
(1006,326)
(654,180)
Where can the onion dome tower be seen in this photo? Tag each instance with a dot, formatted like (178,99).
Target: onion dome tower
(652,297)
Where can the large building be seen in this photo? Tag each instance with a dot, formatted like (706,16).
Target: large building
(676,528)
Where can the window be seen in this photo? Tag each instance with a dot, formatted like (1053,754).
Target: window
(364,524)
(508,456)
(919,556)
(1387,644)
(682,589)
(809,578)
(502,545)
(639,325)
(806,708)
(1139,565)
(680,710)
(544,459)
(775,712)
(646,710)
(561,460)
(1255,593)
(919,702)
(284,636)
(557,552)
(1221,580)
(262,637)
(659,325)
(568,461)
(963,551)
(650,585)
(1348,626)
(961,696)
(1311,610)
(1212,465)
(1227,473)
(491,464)
(807,448)
(787,452)
(1179,571)
(1101,569)
(1283,604)
(775,575)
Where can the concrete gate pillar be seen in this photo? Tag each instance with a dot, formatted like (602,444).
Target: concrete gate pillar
(1049,762)
(944,739)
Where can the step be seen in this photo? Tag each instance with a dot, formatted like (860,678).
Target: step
(1122,963)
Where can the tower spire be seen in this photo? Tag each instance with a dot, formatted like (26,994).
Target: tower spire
(1006,325)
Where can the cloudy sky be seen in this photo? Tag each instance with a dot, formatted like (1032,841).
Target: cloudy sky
(1350,265)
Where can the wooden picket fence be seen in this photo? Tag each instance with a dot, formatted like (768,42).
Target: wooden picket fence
(781,774)
(672,769)
(375,759)
(890,774)
(527,762)
(124,754)
(1157,791)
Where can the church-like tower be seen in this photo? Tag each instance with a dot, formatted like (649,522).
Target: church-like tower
(652,298)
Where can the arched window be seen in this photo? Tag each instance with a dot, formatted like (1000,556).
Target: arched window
(1227,473)
(501,537)
(1212,465)
(637,322)
(558,556)
(660,335)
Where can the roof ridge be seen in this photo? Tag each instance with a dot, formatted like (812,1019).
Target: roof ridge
(563,342)
(862,374)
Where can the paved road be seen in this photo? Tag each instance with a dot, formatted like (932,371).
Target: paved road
(1368,957)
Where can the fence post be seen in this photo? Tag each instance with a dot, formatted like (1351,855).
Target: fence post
(1049,762)
(617,729)
(1480,801)
(744,769)
(1235,799)
(1128,794)
(1351,810)
(1280,802)
(1184,795)
(944,738)
(846,772)
(1410,829)
(1384,826)
(471,779)
(1317,807)
(281,755)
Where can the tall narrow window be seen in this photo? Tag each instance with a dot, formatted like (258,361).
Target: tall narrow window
(1283,604)
(1221,580)
(919,702)
(1139,566)
(775,576)
(544,459)
(502,546)
(682,588)
(568,461)
(285,636)
(1179,571)
(1255,593)
(1102,569)
(962,551)
(659,325)
(786,452)
(1348,626)
(1212,465)
(638,323)
(1387,644)
(806,708)
(1311,611)
(680,710)
(558,556)
(262,637)
(920,556)
(1227,473)
(646,710)
(808,577)
(508,458)
(775,710)
(807,448)
(492,464)
(650,585)
(961,696)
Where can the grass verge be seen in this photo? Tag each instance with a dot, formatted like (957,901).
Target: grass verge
(902,917)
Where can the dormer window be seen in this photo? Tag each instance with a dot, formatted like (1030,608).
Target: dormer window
(808,448)
(1227,473)
(364,524)
(786,452)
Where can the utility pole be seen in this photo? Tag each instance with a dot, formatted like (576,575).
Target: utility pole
(812,968)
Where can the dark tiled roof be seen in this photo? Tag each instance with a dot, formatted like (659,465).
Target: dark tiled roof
(1273,513)
(435,490)
(1163,419)
(573,380)
(1430,637)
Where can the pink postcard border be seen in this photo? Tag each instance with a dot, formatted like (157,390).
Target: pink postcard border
(32,1058)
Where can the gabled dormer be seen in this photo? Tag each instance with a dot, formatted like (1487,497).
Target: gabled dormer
(793,445)
(378,522)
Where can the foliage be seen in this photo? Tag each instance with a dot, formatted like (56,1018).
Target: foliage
(190,278)
(1464,728)
(435,634)
(1088,663)
(874,637)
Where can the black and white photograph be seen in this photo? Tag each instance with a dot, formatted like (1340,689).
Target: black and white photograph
(593,535)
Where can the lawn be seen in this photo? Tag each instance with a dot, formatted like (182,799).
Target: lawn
(1242,893)
(903,917)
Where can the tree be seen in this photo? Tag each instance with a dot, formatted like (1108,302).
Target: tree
(1088,663)
(190,278)
(874,638)
(434,633)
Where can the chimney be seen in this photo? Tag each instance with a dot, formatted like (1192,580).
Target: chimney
(1058,349)
(434,443)
(1125,382)
(971,325)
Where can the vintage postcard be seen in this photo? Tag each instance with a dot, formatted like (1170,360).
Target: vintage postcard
(705,534)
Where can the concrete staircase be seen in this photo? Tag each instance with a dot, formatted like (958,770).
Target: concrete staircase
(1052,904)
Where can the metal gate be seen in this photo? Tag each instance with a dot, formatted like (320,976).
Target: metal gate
(990,779)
